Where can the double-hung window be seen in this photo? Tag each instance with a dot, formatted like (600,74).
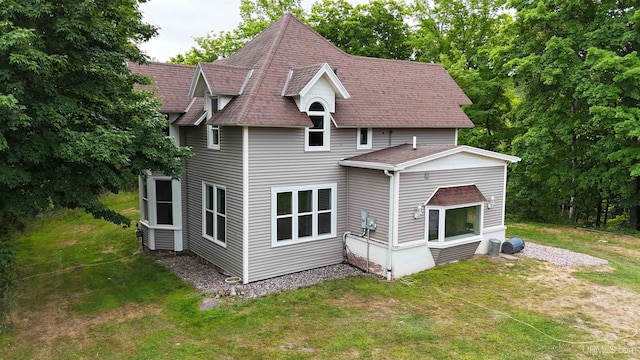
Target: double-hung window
(317,137)
(164,202)
(214,213)
(364,139)
(303,213)
(445,224)
(157,200)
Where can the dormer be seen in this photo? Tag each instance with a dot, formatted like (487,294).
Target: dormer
(310,84)
(218,84)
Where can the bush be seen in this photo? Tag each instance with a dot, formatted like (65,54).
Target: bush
(619,223)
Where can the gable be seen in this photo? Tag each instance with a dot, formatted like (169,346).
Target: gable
(461,160)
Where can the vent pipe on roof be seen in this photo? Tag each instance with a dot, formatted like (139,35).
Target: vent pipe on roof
(414,143)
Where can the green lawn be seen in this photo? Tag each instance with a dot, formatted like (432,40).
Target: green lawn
(87,292)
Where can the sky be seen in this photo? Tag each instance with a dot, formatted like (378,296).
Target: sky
(182,20)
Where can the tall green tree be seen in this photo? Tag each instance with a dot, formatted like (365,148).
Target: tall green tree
(71,125)
(256,15)
(461,36)
(376,29)
(575,62)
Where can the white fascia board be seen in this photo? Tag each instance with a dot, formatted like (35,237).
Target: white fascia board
(367,165)
(200,120)
(335,83)
(198,78)
(456,150)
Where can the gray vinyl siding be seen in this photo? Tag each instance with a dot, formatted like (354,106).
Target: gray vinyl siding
(164,239)
(277,158)
(446,255)
(218,167)
(383,138)
(415,190)
(145,235)
(368,190)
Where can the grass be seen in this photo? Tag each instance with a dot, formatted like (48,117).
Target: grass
(87,292)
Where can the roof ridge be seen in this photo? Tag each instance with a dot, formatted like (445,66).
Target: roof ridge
(268,58)
(215,63)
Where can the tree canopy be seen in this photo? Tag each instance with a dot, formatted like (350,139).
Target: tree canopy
(71,125)
(576,66)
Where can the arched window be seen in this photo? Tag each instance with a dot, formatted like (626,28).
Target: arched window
(317,136)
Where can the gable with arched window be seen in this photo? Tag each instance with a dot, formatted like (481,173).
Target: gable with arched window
(317,136)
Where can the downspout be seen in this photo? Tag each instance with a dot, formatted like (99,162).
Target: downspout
(391,218)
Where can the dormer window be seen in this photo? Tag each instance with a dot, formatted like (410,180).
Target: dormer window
(317,136)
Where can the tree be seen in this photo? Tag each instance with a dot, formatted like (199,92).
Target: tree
(461,36)
(377,29)
(575,62)
(256,16)
(71,125)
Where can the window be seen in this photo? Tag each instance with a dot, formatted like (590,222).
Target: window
(446,224)
(213,137)
(144,212)
(303,213)
(164,204)
(364,138)
(214,222)
(317,136)
(159,200)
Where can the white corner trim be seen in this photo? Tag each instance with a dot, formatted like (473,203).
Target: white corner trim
(245,204)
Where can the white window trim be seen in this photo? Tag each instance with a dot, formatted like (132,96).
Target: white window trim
(152,216)
(366,146)
(326,132)
(210,143)
(215,213)
(294,231)
(441,243)
(143,188)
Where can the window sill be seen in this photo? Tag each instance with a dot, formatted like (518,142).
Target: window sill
(319,149)
(444,245)
(275,243)
(146,224)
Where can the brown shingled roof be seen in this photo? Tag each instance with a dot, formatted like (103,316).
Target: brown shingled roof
(171,83)
(399,154)
(225,79)
(300,78)
(192,114)
(456,195)
(384,93)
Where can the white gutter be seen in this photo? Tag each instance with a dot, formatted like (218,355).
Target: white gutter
(391,222)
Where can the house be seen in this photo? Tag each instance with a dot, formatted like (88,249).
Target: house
(303,155)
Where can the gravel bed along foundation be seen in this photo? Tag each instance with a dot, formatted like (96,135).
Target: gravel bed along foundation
(209,280)
(560,257)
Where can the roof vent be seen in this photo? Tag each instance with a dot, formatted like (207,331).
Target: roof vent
(414,143)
